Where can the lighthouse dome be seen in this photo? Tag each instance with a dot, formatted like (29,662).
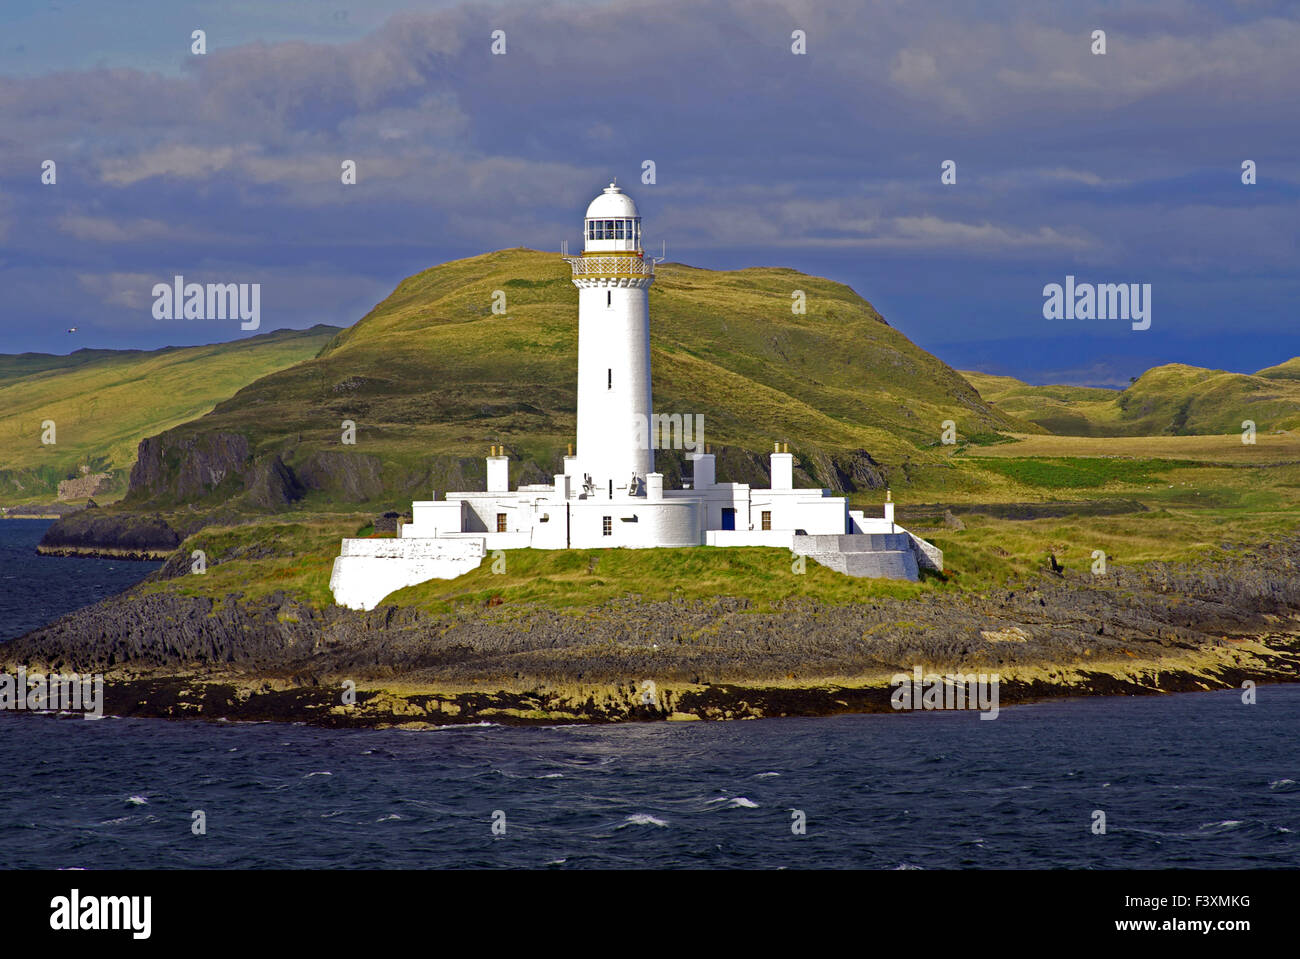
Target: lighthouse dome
(612,202)
(612,224)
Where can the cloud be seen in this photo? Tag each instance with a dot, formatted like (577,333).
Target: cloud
(183,162)
(1127,161)
(129,290)
(95,229)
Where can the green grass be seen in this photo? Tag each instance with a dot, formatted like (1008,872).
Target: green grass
(104,402)
(1173,400)
(1078,472)
(256,560)
(588,577)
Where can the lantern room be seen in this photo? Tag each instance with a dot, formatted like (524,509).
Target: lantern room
(612,224)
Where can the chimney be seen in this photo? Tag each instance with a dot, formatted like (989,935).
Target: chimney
(705,470)
(782,469)
(498,471)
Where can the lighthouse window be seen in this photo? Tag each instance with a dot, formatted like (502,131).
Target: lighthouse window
(607,526)
(609,297)
(609,378)
(618,229)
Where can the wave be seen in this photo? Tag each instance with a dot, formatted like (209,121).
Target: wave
(642,819)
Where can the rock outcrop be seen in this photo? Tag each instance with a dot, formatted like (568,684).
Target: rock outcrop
(100,532)
(83,486)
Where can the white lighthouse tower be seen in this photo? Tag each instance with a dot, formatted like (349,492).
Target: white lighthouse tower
(613,277)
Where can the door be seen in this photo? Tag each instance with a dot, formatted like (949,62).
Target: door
(728,518)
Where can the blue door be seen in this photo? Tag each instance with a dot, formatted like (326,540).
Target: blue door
(728,518)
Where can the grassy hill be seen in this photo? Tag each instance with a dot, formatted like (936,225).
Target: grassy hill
(104,402)
(432,378)
(1172,400)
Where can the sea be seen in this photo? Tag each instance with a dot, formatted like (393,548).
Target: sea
(1194,780)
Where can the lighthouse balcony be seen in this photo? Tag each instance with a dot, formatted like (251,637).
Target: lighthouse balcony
(611,267)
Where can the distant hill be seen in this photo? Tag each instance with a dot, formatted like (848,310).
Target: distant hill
(104,402)
(1168,400)
(16,365)
(432,377)
(1290,370)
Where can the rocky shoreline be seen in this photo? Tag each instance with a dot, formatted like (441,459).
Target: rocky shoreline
(1154,628)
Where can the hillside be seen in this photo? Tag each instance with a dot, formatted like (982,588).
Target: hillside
(1290,370)
(1174,400)
(432,377)
(104,402)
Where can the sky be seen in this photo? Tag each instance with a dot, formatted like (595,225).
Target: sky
(225,166)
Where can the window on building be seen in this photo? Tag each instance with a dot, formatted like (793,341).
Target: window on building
(501,522)
(609,379)
(619,226)
(607,526)
(609,297)
(767,519)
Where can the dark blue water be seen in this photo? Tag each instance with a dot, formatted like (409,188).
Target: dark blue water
(1194,780)
(1197,780)
(35,590)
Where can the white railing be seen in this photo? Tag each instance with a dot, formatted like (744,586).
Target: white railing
(611,266)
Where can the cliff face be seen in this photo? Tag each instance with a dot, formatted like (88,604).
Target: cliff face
(183,467)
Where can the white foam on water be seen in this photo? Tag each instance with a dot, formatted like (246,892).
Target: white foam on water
(642,819)
(137,800)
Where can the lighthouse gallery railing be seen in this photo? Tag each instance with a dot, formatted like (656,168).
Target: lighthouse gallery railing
(614,266)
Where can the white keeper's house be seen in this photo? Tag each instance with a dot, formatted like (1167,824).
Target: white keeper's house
(609,495)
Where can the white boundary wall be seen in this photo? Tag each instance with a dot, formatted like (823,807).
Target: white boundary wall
(367,570)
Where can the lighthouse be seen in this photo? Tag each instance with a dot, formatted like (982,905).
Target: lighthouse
(614,455)
(609,495)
